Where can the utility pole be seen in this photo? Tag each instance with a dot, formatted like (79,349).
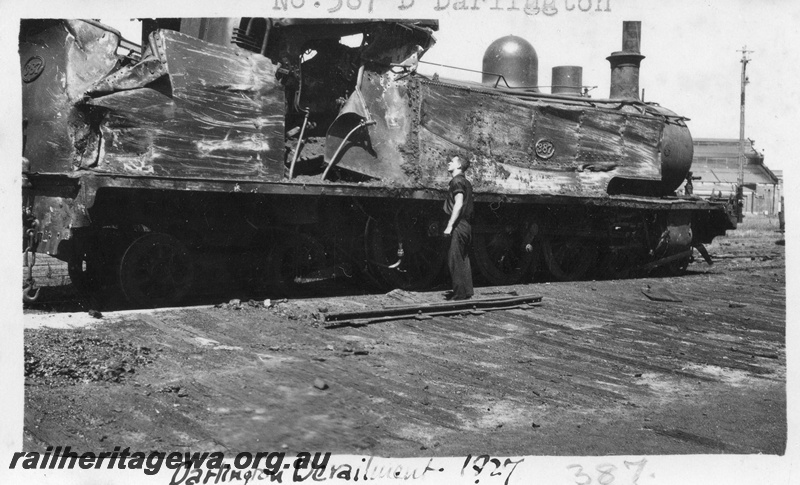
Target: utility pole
(740,185)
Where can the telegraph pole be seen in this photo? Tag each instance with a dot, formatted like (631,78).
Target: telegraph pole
(740,185)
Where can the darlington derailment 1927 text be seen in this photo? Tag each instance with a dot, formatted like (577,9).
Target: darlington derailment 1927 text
(528,7)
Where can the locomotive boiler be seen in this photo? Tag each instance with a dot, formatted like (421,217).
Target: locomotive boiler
(271,153)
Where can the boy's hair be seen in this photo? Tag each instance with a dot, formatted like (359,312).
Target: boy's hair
(465,162)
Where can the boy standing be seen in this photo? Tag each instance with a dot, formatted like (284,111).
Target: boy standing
(459,206)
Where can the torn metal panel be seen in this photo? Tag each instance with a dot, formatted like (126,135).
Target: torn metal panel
(558,126)
(518,144)
(599,138)
(59,61)
(383,101)
(145,72)
(373,150)
(218,113)
(479,123)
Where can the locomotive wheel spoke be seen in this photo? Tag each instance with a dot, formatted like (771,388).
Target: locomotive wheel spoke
(423,252)
(568,259)
(501,256)
(155,270)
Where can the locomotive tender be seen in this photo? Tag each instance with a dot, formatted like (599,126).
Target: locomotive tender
(268,152)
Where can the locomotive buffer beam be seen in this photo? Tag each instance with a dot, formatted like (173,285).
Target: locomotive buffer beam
(426,311)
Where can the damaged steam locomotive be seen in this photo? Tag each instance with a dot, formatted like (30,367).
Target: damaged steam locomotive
(268,152)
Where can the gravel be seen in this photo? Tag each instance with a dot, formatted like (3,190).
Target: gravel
(63,357)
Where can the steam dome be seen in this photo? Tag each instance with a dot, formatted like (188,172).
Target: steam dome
(515,59)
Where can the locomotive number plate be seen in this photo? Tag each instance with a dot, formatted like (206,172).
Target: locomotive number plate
(32,69)
(545,149)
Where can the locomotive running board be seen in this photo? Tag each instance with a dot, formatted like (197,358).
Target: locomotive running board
(426,311)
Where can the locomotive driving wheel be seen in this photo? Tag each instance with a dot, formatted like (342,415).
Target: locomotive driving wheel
(155,270)
(405,250)
(500,252)
(568,258)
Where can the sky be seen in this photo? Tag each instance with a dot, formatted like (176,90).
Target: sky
(692,67)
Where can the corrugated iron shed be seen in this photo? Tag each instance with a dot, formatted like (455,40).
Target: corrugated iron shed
(715,170)
(716,161)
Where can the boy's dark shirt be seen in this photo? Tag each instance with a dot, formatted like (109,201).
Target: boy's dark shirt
(459,185)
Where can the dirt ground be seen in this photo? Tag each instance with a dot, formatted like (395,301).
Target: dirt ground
(599,368)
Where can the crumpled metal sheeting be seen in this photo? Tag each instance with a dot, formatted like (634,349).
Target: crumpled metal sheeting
(192,109)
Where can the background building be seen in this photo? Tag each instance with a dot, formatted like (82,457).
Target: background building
(715,170)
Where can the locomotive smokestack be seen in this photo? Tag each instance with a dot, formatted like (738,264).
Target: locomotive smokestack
(625,63)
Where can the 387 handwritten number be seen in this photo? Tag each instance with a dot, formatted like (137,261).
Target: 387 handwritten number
(606,473)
